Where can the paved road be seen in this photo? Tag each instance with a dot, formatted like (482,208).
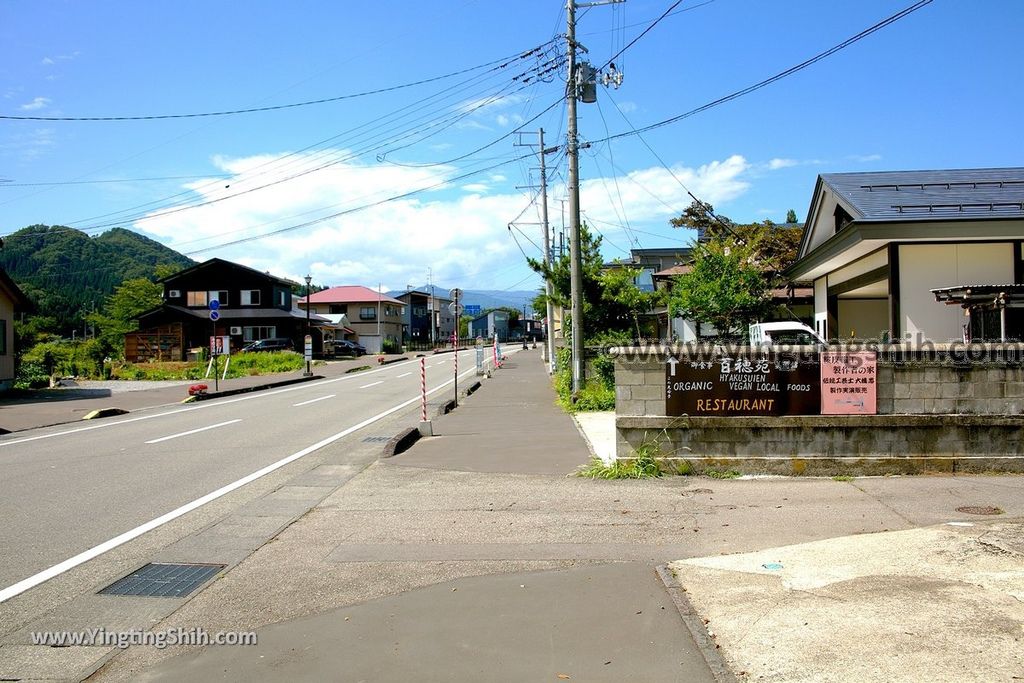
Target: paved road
(67,490)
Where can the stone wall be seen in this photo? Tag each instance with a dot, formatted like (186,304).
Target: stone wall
(941,408)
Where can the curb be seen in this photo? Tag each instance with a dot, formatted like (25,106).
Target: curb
(259,387)
(392,360)
(402,442)
(104,412)
(708,648)
(446,407)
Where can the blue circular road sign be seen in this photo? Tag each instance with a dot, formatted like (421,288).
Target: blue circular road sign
(214,315)
(214,304)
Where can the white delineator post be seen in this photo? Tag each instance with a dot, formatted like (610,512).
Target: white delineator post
(426,428)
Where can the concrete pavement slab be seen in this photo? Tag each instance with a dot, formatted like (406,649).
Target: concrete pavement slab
(611,622)
(941,603)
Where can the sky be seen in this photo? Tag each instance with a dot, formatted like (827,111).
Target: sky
(414,143)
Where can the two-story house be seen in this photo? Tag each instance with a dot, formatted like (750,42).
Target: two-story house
(423,309)
(252,305)
(12,300)
(375,317)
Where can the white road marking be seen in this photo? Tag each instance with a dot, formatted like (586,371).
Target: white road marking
(83,557)
(403,375)
(193,431)
(313,400)
(371,384)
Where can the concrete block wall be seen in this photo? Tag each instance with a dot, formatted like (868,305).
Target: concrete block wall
(936,413)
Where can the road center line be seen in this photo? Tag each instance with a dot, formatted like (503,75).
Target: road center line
(193,431)
(405,374)
(83,557)
(371,384)
(313,400)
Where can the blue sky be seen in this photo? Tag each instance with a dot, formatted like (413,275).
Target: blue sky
(391,184)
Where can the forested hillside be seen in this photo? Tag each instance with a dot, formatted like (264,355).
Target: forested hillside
(67,273)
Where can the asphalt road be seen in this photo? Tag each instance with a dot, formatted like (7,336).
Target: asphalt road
(66,490)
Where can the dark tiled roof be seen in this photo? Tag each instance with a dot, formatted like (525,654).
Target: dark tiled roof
(932,195)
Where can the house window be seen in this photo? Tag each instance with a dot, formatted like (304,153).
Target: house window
(250,297)
(367,313)
(338,309)
(281,294)
(220,295)
(196,299)
(256,333)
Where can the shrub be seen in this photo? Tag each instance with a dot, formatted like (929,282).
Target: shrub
(391,346)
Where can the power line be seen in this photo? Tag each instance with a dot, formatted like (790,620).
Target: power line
(501,63)
(779,76)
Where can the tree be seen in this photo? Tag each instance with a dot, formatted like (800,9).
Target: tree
(725,288)
(601,314)
(776,245)
(122,308)
(619,289)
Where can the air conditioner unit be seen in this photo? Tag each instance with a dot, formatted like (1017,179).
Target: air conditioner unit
(174,294)
(236,330)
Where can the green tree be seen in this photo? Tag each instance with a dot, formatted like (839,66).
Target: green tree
(725,287)
(791,216)
(776,245)
(619,289)
(122,309)
(601,314)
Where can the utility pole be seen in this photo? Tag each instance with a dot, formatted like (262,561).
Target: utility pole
(581,79)
(548,289)
(572,152)
(430,302)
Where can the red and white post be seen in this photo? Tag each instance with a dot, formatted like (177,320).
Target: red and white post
(426,428)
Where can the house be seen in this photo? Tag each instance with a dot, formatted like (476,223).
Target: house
(490,324)
(252,305)
(417,317)
(374,317)
(877,245)
(12,300)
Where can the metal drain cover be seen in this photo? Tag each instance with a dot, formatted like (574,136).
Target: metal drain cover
(980,510)
(164,580)
(376,439)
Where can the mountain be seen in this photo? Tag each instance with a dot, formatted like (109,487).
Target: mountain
(485,298)
(67,273)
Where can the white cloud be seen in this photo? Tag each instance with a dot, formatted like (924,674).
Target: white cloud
(29,146)
(36,104)
(627,107)
(463,238)
(502,120)
(865,158)
(776,164)
(48,61)
(655,194)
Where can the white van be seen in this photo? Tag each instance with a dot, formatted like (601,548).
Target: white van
(791,333)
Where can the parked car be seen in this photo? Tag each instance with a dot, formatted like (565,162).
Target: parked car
(346,347)
(274,344)
(792,333)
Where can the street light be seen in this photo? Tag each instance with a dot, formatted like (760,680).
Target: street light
(309,372)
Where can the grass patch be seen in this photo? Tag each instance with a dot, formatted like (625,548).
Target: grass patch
(723,474)
(242,365)
(842,477)
(640,467)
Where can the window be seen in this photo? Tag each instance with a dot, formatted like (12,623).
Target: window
(256,333)
(281,294)
(390,311)
(3,337)
(196,299)
(250,297)
(419,311)
(338,308)
(367,313)
(220,295)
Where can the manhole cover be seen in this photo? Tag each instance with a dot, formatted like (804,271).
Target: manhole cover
(980,510)
(164,580)
(376,439)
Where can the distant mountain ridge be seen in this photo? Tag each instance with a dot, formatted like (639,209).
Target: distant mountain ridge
(67,273)
(484,298)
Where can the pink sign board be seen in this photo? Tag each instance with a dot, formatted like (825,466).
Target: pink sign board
(848,383)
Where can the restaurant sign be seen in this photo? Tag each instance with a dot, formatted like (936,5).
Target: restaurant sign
(768,383)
